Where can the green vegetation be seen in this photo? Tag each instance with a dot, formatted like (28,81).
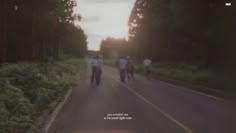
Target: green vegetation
(181,32)
(113,47)
(183,73)
(185,32)
(27,90)
(35,30)
(187,73)
(42,32)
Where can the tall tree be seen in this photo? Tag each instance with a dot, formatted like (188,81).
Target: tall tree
(183,31)
(113,47)
(3,29)
(32,29)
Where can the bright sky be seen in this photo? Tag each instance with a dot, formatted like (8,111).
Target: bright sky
(102,18)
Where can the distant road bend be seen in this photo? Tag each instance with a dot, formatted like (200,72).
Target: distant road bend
(141,106)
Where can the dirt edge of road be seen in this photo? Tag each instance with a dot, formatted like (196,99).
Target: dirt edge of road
(55,110)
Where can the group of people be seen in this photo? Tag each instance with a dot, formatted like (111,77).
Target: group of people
(125,65)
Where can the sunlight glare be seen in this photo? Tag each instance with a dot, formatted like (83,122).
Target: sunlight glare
(103,19)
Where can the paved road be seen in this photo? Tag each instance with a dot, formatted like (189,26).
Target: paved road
(145,106)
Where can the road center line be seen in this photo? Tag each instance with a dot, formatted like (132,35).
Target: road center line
(156,107)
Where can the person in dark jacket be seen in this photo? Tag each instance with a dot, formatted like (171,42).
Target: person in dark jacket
(130,68)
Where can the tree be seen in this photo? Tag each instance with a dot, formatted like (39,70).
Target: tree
(113,47)
(3,29)
(32,30)
(74,40)
(176,32)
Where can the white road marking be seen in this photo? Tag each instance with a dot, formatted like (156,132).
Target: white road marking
(193,91)
(199,93)
(156,107)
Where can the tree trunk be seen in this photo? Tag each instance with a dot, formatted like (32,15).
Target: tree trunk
(30,47)
(32,41)
(57,47)
(3,27)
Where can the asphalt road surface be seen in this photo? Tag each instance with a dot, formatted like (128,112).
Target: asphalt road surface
(142,106)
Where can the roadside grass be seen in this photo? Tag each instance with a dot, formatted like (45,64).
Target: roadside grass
(183,73)
(27,90)
(186,73)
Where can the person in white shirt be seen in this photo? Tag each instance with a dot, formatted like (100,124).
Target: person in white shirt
(96,64)
(122,67)
(147,64)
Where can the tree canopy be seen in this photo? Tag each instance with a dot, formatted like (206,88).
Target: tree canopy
(183,31)
(113,47)
(33,29)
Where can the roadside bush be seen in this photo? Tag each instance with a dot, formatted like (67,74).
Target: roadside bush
(26,89)
(182,73)
(16,110)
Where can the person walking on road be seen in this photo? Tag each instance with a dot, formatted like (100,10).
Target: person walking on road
(147,65)
(122,67)
(130,68)
(96,64)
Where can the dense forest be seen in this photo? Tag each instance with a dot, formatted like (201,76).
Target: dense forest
(174,33)
(196,32)
(34,30)
(40,59)
(114,47)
